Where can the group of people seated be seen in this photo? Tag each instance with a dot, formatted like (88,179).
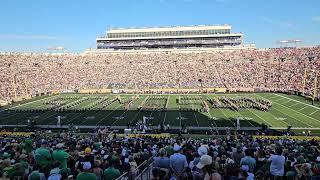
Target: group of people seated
(100,156)
(279,69)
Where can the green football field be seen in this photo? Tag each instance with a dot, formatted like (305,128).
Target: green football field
(121,110)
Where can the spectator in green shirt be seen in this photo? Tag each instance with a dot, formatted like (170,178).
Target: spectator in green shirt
(60,155)
(111,173)
(42,155)
(86,174)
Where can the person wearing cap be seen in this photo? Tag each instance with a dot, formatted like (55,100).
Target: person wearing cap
(55,173)
(178,162)
(86,174)
(205,165)
(60,155)
(161,161)
(42,155)
(277,163)
(88,157)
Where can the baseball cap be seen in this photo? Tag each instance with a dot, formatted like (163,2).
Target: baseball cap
(204,160)
(245,168)
(176,148)
(87,150)
(59,146)
(86,165)
(202,151)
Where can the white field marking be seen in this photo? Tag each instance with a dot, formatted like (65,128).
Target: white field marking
(165,114)
(180,113)
(194,113)
(287,101)
(26,103)
(108,114)
(279,99)
(70,109)
(118,119)
(221,110)
(298,101)
(226,116)
(293,104)
(210,114)
(143,102)
(297,112)
(314,112)
(269,113)
(242,115)
(303,108)
(86,112)
(260,117)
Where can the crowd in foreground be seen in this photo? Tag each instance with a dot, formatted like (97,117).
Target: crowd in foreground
(279,69)
(97,156)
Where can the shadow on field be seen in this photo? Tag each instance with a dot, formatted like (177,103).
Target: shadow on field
(175,118)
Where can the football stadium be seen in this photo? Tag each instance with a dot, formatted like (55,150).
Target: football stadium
(178,102)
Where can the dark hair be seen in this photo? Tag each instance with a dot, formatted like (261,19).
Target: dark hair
(249,152)
(278,150)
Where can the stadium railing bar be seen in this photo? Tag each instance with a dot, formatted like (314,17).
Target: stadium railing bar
(143,171)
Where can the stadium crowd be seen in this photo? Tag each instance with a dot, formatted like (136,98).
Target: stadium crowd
(98,156)
(281,69)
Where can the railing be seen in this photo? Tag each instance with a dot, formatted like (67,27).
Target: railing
(143,171)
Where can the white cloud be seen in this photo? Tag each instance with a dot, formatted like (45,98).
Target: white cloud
(284,24)
(27,37)
(316,18)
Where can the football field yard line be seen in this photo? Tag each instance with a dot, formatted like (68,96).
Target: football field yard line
(314,112)
(55,112)
(226,116)
(118,118)
(302,113)
(286,101)
(278,99)
(211,115)
(303,108)
(293,116)
(81,114)
(297,101)
(179,112)
(97,124)
(143,102)
(48,112)
(221,110)
(26,103)
(76,116)
(267,122)
(166,109)
(194,114)
(293,104)
(241,115)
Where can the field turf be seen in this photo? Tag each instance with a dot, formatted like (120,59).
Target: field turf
(103,110)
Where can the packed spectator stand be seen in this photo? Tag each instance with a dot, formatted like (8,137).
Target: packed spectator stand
(279,69)
(99,156)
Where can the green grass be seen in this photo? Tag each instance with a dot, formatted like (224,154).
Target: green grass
(286,110)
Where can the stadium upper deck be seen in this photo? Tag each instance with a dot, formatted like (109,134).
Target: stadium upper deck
(180,37)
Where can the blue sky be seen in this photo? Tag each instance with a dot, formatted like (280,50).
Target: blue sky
(34,25)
